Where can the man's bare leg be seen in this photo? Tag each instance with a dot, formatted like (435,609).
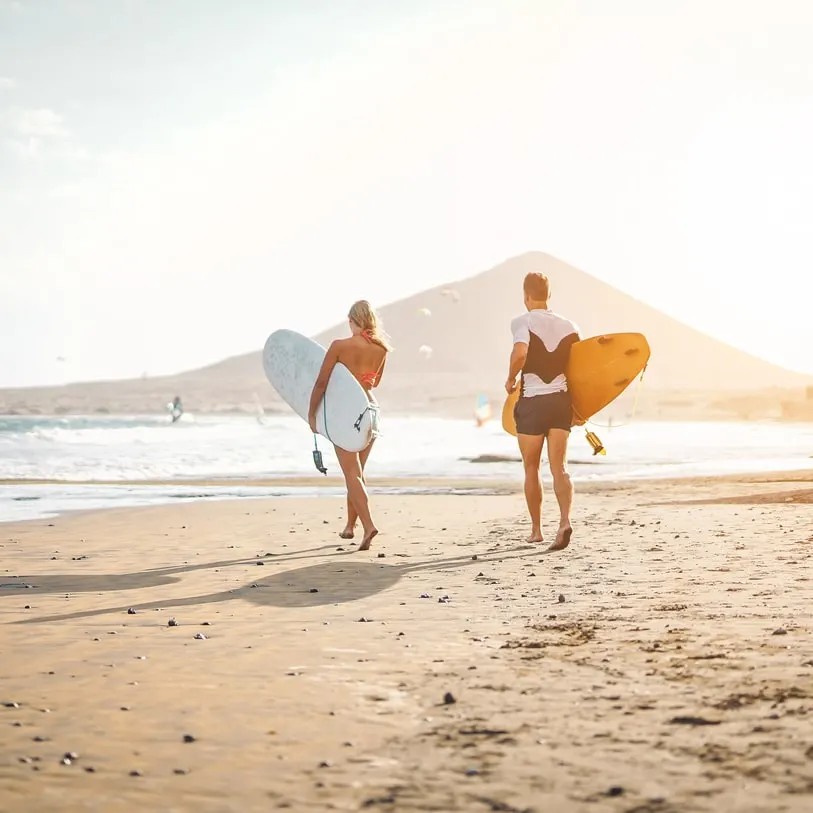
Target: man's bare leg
(562,485)
(352,514)
(530,446)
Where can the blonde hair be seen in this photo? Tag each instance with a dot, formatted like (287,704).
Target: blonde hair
(363,314)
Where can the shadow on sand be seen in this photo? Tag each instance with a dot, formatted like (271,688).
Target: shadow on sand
(340,580)
(103,583)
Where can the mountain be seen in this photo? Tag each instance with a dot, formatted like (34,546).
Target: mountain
(466,325)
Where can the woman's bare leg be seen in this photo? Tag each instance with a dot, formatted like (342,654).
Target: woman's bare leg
(357,493)
(352,515)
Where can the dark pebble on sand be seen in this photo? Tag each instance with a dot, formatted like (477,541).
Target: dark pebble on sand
(561,598)
(475,557)
(443,600)
(180,771)
(780,631)
(472,772)
(425,595)
(449,698)
(188,738)
(90,769)
(27,607)
(381,555)
(260,564)
(199,636)
(131,611)
(314,590)
(205,624)
(39,739)
(364,620)
(324,764)
(12,705)
(615,790)
(172,623)
(136,773)
(71,755)
(691,720)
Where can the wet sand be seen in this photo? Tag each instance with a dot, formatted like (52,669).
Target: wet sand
(663,662)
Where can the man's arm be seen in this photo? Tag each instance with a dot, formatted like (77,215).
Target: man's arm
(519,353)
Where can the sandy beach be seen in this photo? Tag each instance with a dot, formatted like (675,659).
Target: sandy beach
(239,656)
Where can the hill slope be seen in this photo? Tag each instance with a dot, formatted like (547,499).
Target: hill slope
(468,332)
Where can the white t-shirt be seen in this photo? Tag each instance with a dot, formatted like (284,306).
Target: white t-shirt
(551,329)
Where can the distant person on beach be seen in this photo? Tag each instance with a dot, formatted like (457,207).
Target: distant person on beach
(542,342)
(364,353)
(176,408)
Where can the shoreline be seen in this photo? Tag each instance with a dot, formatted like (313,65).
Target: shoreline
(332,488)
(309,481)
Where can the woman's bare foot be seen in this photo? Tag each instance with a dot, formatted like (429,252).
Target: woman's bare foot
(347,533)
(562,539)
(368,538)
(535,537)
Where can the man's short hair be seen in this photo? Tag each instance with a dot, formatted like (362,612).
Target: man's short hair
(536,287)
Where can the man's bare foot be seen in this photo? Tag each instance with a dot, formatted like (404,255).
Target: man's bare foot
(535,537)
(347,533)
(368,538)
(562,539)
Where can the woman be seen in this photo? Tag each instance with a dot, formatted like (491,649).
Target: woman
(364,354)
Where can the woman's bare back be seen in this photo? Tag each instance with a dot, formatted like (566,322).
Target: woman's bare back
(363,358)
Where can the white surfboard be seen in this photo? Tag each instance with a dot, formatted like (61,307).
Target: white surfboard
(291,362)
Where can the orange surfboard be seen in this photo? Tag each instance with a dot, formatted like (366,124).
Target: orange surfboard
(599,370)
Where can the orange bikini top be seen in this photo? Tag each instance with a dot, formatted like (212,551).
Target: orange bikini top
(369,379)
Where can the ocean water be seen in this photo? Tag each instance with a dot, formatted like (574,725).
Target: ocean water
(127,452)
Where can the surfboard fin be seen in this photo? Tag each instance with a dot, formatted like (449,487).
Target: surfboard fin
(595,443)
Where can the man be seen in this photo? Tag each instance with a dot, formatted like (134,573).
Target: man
(542,342)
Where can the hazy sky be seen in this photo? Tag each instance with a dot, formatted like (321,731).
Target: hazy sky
(178,178)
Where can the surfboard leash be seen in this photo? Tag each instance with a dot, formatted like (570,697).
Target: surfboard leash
(317,455)
(374,410)
(595,442)
(634,406)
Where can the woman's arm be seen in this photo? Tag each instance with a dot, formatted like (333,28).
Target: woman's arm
(320,386)
(380,373)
